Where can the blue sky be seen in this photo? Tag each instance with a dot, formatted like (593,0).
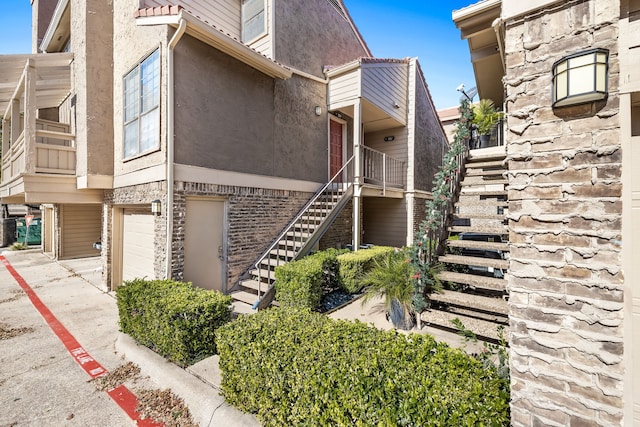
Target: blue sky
(392,29)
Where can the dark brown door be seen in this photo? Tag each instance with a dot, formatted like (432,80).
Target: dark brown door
(335,148)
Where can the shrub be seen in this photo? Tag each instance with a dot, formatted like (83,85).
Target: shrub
(355,265)
(173,318)
(390,278)
(300,283)
(295,367)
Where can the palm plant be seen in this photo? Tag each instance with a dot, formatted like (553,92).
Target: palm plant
(390,278)
(485,116)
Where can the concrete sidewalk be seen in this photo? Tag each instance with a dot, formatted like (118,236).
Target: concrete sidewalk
(70,289)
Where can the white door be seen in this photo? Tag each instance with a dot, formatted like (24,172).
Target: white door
(204,248)
(137,245)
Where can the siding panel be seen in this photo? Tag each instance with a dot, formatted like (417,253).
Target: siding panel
(224,14)
(344,88)
(384,85)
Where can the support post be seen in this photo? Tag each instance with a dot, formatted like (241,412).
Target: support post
(357,158)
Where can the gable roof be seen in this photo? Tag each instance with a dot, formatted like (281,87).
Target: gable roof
(213,36)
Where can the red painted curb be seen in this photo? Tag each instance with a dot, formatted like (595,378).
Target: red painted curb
(121,395)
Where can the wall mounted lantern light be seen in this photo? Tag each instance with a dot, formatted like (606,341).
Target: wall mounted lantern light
(156,207)
(580,78)
(318,110)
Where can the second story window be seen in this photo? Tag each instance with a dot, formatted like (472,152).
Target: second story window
(253,19)
(142,107)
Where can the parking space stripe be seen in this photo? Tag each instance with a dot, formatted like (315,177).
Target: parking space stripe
(121,395)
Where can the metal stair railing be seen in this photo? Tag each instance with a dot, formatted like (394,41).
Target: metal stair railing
(297,234)
(439,235)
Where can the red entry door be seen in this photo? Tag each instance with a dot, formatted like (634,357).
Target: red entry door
(335,148)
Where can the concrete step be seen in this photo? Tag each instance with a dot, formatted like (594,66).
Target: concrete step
(467,182)
(497,306)
(255,285)
(479,229)
(480,216)
(480,172)
(297,235)
(470,164)
(486,193)
(242,308)
(262,274)
(475,261)
(245,297)
(487,154)
(311,219)
(272,263)
(282,253)
(484,329)
(471,201)
(474,281)
(473,244)
(290,245)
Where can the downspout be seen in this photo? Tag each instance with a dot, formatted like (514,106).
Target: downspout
(497,26)
(182,27)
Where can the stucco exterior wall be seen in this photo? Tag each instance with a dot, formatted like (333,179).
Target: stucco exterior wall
(301,138)
(565,277)
(312,34)
(91,44)
(231,117)
(147,39)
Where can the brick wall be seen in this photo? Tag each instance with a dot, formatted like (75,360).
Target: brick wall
(140,196)
(340,233)
(565,277)
(255,217)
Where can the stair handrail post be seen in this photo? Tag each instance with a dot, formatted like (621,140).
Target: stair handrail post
(384,174)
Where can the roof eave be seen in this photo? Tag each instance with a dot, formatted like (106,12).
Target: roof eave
(217,39)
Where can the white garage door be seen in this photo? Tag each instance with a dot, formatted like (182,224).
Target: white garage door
(81,226)
(137,245)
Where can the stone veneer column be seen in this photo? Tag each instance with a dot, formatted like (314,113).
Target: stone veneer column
(565,278)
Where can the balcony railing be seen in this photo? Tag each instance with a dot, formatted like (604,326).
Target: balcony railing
(381,169)
(54,152)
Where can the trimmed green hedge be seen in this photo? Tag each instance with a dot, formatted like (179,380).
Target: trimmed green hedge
(173,318)
(355,265)
(295,367)
(300,284)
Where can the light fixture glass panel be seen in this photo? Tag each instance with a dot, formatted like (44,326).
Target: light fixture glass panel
(561,67)
(581,80)
(579,61)
(561,85)
(601,77)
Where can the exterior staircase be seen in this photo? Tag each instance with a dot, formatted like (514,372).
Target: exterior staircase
(476,255)
(256,290)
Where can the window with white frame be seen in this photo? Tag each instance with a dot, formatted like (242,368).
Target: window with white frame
(142,107)
(253,19)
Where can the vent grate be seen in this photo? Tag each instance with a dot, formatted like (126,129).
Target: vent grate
(337,4)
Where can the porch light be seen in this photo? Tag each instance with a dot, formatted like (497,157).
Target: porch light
(580,78)
(156,207)
(318,110)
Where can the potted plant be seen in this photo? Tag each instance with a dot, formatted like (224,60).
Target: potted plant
(485,117)
(390,278)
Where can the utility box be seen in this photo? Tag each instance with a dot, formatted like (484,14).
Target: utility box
(35,231)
